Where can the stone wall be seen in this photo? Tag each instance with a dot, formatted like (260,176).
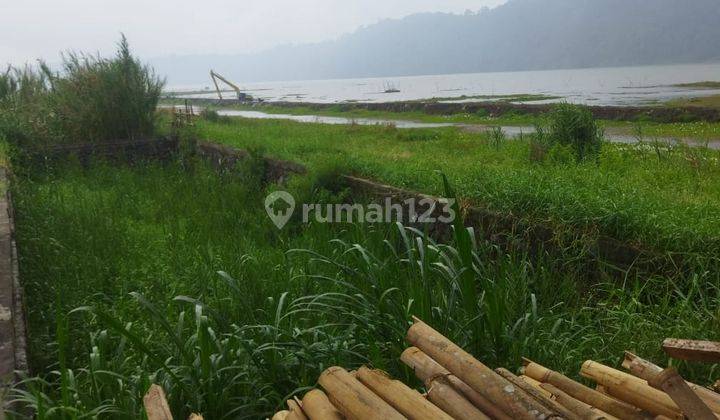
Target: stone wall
(511,232)
(224,158)
(12,315)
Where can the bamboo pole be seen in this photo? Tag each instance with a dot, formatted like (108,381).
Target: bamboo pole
(540,395)
(647,370)
(479,377)
(353,399)
(670,381)
(317,406)
(536,384)
(631,389)
(156,405)
(296,411)
(281,415)
(426,369)
(716,386)
(408,402)
(423,366)
(710,397)
(581,410)
(442,394)
(580,392)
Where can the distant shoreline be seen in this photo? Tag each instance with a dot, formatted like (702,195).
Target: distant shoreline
(658,113)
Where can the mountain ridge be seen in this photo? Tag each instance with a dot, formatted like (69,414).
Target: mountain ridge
(519,35)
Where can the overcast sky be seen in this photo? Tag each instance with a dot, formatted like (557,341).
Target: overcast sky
(41,28)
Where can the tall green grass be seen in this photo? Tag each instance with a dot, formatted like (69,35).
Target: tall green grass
(106,98)
(668,201)
(160,274)
(24,114)
(91,99)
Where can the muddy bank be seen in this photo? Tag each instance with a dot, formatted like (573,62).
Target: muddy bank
(496,109)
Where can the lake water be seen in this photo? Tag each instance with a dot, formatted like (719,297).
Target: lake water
(600,86)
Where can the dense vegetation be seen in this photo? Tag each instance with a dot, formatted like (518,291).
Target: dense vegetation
(92,99)
(171,273)
(663,197)
(184,282)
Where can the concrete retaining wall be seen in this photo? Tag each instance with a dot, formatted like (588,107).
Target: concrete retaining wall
(224,158)
(12,315)
(515,233)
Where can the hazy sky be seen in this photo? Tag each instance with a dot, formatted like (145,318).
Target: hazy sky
(41,28)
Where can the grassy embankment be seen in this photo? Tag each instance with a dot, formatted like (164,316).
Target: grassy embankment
(664,198)
(699,130)
(711,101)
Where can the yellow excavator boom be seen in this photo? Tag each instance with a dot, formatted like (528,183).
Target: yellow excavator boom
(215,77)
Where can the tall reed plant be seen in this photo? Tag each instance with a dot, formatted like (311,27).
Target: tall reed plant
(91,99)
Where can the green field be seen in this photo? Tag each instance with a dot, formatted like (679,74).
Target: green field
(712,101)
(664,198)
(143,252)
(699,130)
(171,272)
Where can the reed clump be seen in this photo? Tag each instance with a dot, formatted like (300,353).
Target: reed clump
(90,99)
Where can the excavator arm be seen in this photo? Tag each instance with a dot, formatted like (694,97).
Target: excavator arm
(215,77)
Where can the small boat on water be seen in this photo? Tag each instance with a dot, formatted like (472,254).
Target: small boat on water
(390,88)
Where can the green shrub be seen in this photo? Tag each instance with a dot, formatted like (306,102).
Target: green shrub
(210,115)
(92,99)
(561,155)
(24,114)
(574,126)
(100,99)
(497,137)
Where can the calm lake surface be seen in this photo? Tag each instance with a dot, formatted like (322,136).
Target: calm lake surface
(600,86)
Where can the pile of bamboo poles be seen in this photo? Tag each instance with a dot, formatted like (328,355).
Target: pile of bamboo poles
(460,387)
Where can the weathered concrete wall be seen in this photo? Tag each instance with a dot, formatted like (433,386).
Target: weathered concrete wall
(115,150)
(515,233)
(12,316)
(224,157)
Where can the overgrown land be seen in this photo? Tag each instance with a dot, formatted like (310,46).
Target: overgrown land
(664,197)
(171,273)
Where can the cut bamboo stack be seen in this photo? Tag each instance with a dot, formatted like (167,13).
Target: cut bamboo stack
(459,386)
